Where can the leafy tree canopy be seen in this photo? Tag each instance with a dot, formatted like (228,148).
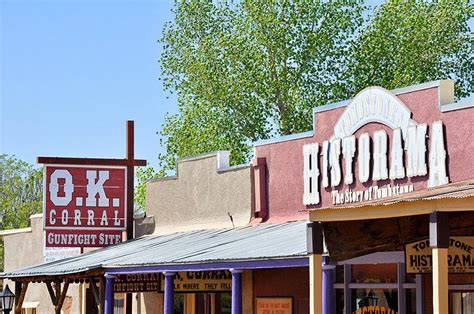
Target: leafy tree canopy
(253,69)
(410,42)
(21,192)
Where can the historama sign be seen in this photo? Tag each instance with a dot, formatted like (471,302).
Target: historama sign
(418,258)
(84,206)
(379,145)
(388,159)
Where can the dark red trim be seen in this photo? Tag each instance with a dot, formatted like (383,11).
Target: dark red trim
(260,180)
(90,161)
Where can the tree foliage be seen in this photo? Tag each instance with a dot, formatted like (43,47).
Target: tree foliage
(21,192)
(409,42)
(244,71)
(254,69)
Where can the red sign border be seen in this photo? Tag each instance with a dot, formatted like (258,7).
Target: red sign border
(124,228)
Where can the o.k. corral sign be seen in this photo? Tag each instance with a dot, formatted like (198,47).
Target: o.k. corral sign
(84,206)
(418,256)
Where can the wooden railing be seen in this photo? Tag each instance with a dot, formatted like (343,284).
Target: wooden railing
(375,310)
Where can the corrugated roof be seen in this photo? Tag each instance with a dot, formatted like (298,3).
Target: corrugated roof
(259,242)
(453,190)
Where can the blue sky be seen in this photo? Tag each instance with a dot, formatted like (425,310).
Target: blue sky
(72,73)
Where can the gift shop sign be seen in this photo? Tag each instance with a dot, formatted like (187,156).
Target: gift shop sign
(418,258)
(334,165)
(84,206)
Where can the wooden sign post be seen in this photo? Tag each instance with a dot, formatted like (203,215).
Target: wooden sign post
(91,183)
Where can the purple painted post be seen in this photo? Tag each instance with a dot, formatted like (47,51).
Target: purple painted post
(328,287)
(109,294)
(236,291)
(169,292)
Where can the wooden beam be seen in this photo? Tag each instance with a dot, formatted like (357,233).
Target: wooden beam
(130,140)
(401,209)
(90,161)
(21,298)
(52,295)
(71,277)
(61,297)
(440,280)
(95,292)
(101,295)
(17,296)
(315,283)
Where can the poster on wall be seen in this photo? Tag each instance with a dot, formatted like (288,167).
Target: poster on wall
(274,305)
(418,257)
(202,281)
(51,254)
(84,206)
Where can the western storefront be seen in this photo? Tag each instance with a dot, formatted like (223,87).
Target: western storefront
(387,180)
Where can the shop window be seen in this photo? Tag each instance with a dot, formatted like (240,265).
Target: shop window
(202,303)
(118,306)
(380,273)
(339,273)
(223,303)
(410,278)
(179,303)
(339,301)
(410,299)
(387,298)
(461,302)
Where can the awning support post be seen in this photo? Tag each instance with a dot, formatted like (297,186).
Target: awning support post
(439,242)
(61,296)
(236,291)
(314,238)
(109,294)
(328,287)
(20,292)
(169,292)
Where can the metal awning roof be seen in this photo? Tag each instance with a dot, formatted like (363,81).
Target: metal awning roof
(453,190)
(261,242)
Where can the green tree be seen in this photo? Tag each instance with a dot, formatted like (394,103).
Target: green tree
(255,69)
(409,42)
(248,70)
(21,194)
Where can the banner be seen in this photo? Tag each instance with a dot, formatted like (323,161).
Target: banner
(84,206)
(418,258)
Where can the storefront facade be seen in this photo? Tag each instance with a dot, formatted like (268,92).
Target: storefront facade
(382,173)
(208,253)
(386,180)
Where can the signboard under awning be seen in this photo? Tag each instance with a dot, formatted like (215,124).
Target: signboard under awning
(136,282)
(418,258)
(201,281)
(274,305)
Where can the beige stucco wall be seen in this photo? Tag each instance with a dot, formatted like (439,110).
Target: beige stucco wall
(202,195)
(26,249)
